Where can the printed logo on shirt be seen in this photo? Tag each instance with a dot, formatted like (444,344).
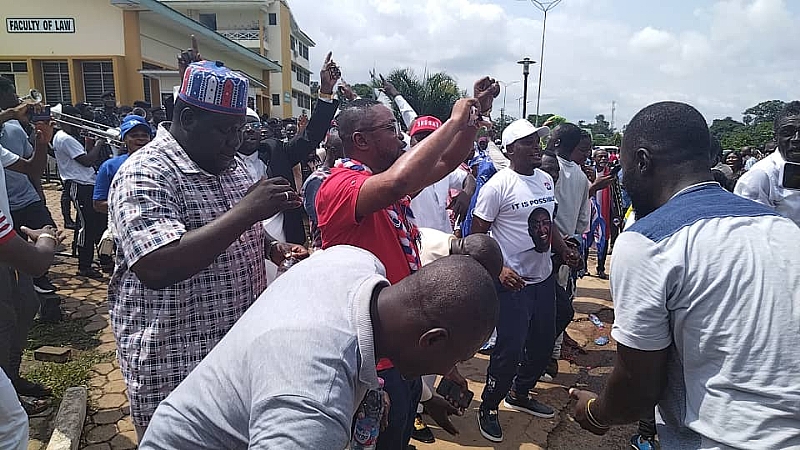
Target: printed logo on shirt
(529,203)
(539,225)
(548,186)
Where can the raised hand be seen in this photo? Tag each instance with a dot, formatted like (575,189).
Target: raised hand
(486,90)
(329,75)
(188,56)
(389,88)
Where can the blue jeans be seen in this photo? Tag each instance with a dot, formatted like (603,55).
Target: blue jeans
(526,330)
(404,395)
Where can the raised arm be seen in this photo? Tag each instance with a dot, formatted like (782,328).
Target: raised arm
(431,160)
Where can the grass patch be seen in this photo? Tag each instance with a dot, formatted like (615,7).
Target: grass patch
(75,372)
(67,333)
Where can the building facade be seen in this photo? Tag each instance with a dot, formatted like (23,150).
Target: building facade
(74,50)
(268,28)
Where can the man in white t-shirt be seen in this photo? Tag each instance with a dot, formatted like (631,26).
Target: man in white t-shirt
(430,205)
(766,181)
(516,204)
(76,168)
(706,301)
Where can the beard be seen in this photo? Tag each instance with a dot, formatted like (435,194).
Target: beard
(638,192)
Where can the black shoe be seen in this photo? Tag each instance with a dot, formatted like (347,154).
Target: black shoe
(489,425)
(529,405)
(602,274)
(421,431)
(43,286)
(550,372)
(70,225)
(90,273)
(30,389)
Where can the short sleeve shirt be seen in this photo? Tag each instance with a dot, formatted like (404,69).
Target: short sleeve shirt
(21,192)
(680,282)
(157,196)
(506,201)
(336,211)
(67,148)
(105,175)
(7,158)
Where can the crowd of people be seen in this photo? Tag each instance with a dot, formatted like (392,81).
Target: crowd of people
(424,242)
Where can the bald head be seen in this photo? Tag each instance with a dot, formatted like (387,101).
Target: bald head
(483,248)
(438,316)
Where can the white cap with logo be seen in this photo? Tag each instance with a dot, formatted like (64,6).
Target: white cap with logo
(522,128)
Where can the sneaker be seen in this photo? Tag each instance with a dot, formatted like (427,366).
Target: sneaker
(640,442)
(90,273)
(30,389)
(529,405)
(550,372)
(421,431)
(489,425)
(602,274)
(43,286)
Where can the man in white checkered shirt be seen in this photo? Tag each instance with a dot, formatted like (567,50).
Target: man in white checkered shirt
(186,217)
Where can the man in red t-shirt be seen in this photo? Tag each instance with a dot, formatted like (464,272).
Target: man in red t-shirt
(365,203)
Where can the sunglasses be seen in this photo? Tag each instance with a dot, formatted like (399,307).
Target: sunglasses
(252,126)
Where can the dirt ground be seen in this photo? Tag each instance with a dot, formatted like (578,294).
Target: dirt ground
(588,371)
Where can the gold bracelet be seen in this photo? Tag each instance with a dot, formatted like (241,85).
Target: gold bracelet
(325,96)
(596,423)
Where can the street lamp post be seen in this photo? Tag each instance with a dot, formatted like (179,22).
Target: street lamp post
(505,91)
(543,6)
(526,64)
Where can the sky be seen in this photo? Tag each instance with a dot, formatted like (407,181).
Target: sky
(719,56)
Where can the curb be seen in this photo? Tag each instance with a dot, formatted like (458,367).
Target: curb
(69,420)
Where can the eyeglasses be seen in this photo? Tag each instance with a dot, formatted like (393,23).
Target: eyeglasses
(391,126)
(252,126)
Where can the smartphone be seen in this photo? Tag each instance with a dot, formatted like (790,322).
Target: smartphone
(791,175)
(449,389)
(41,116)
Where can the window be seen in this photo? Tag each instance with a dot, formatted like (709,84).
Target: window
(303,50)
(98,77)
(273,19)
(276,99)
(303,100)
(292,42)
(303,75)
(56,83)
(8,69)
(147,94)
(209,21)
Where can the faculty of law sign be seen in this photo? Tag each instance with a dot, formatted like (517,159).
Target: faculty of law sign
(27,25)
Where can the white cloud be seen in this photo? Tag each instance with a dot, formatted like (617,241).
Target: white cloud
(735,54)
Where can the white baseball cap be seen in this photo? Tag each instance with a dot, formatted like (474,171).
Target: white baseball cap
(251,113)
(522,128)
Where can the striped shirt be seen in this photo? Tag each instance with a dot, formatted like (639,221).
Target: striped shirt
(6,229)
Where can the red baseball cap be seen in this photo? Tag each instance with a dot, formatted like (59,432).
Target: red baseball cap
(425,123)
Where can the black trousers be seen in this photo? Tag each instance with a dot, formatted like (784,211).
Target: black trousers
(90,224)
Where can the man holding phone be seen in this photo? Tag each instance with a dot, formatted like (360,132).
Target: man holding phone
(775,180)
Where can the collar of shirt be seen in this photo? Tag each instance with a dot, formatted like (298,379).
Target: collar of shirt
(367,373)
(695,186)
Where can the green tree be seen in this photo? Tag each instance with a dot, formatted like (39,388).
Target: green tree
(763,112)
(363,90)
(429,94)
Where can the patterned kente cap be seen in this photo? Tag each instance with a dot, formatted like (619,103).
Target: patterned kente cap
(212,86)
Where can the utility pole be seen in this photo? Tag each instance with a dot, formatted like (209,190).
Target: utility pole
(613,113)
(543,6)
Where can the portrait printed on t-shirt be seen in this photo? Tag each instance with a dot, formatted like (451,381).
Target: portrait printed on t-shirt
(539,224)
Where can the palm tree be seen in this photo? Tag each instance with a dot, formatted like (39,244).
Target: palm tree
(429,95)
